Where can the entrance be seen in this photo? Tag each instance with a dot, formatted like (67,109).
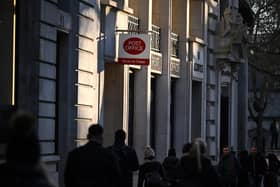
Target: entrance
(224,119)
(172,111)
(131,109)
(153,113)
(196,109)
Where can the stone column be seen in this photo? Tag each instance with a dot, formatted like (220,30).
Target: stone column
(27,69)
(183,85)
(218,110)
(114,97)
(233,114)
(142,88)
(243,106)
(163,82)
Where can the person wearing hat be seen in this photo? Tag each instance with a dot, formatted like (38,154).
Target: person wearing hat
(92,164)
(151,171)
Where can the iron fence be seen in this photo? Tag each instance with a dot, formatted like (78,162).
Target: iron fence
(174,45)
(155,45)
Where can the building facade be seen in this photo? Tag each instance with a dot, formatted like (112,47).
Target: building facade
(60,61)
(51,68)
(196,84)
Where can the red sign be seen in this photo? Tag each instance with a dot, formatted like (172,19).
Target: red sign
(134,46)
(134,61)
(134,49)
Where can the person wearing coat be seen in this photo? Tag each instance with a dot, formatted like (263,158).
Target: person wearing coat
(243,177)
(196,169)
(270,179)
(171,167)
(228,168)
(127,158)
(92,164)
(152,168)
(23,167)
(257,168)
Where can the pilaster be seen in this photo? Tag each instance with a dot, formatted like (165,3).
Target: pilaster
(183,84)
(163,83)
(143,89)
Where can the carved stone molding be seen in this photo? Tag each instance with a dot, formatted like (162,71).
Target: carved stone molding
(231,40)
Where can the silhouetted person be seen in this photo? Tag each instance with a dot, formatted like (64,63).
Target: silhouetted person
(197,170)
(23,167)
(126,157)
(274,129)
(171,167)
(92,165)
(228,168)
(257,168)
(186,148)
(243,177)
(273,167)
(151,172)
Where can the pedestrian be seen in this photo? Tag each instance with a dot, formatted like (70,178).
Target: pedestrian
(228,168)
(23,167)
(171,168)
(151,172)
(274,129)
(257,168)
(273,167)
(92,164)
(243,177)
(186,148)
(126,157)
(196,167)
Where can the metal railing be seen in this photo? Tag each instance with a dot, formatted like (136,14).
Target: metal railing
(155,45)
(174,45)
(133,23)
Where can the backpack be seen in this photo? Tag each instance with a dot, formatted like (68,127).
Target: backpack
(153,179)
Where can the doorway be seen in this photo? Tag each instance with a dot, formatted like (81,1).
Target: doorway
(196,109)
(224,119)
(172,111)
(131,102)
(153,113)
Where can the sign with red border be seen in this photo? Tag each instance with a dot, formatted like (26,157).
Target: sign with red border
(134,49)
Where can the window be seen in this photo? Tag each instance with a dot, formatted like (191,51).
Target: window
(197,18)
(7,52)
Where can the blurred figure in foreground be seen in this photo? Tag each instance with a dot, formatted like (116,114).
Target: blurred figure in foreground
(151,173)
(92,164)
(126,157)
(23,167)
(196,168)
(171,168)
(273,168)
(186,148)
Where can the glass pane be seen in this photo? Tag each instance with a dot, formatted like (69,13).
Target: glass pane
(6,52)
